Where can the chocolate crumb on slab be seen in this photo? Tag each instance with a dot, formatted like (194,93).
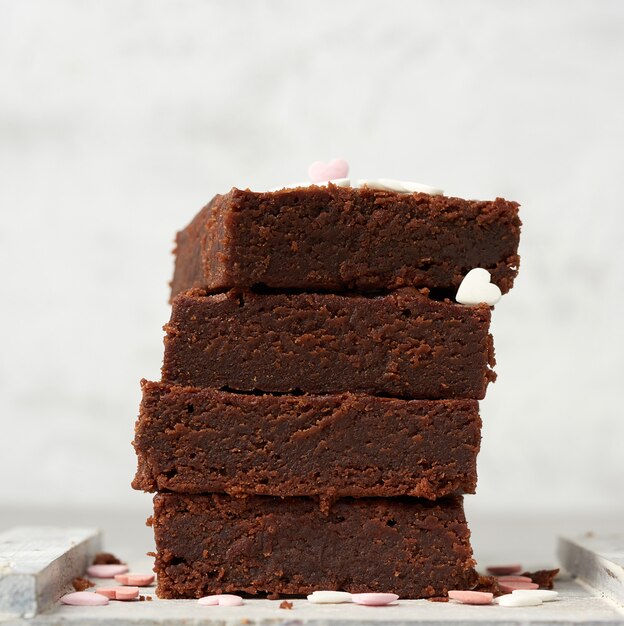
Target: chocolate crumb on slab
(284,604)
(82,584)
(148,598)
(489,584)
(106,558)
(543,577)
(438,599)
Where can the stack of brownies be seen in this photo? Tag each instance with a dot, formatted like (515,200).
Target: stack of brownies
(317,419)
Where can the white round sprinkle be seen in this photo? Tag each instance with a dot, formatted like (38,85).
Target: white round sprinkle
(329,597)
(545,595)
(512,599)
(476,288)
(385,184)
(418,187)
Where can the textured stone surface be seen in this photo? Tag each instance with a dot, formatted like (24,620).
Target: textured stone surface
(596,559)
(38,563)
(575,606)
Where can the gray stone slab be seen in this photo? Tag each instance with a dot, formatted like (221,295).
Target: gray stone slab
(577,605)
(37,563)
(596,559)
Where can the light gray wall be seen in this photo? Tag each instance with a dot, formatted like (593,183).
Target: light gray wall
(119,119)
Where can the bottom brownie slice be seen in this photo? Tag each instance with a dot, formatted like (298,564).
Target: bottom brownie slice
(262,544)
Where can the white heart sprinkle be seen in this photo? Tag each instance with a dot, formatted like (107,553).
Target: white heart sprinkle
(514,600)
(329,597)
(291,186)
(400,186)
(384,184)
(420,188)
(545,595)
(339,182)
(476,288)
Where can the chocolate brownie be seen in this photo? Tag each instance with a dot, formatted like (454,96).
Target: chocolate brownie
(209,441)
(401,344)
(259,544)
(334,239)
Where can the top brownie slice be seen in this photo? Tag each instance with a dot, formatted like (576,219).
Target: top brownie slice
(333,238)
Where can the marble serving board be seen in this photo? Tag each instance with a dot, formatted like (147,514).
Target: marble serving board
(578,603)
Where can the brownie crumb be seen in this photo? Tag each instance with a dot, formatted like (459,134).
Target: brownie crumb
(543,577)
(273,596)
(245,621)
(438,599)
(81,584)
(148,598)
(284,604)
(489,584)
(141,598)
(325,503)
(106,558)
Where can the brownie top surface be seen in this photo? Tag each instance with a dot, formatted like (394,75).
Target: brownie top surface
(448,204)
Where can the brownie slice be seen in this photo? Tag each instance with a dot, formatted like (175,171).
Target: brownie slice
(335,239)
(259,544)
(401,344)
(209,441)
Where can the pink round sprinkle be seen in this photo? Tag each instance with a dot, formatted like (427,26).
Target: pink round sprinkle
(229,600)
(140,580)
(504,570)
(514,579)
(374,599)
(119,593)
(106,571)
(109,592)
(508,587)
(208,601)
(84,598)
(126,593)
(471,597)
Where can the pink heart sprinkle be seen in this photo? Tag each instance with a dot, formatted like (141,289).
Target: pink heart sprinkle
(127,593)
(471,597)
(106,571)
(320,172)
(374,599)
(84,598)
(140,580)
(504,570)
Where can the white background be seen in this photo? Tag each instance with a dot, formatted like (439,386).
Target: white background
(120,119)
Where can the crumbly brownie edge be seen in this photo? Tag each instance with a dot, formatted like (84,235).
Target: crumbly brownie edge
(257,545)
(191,440)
